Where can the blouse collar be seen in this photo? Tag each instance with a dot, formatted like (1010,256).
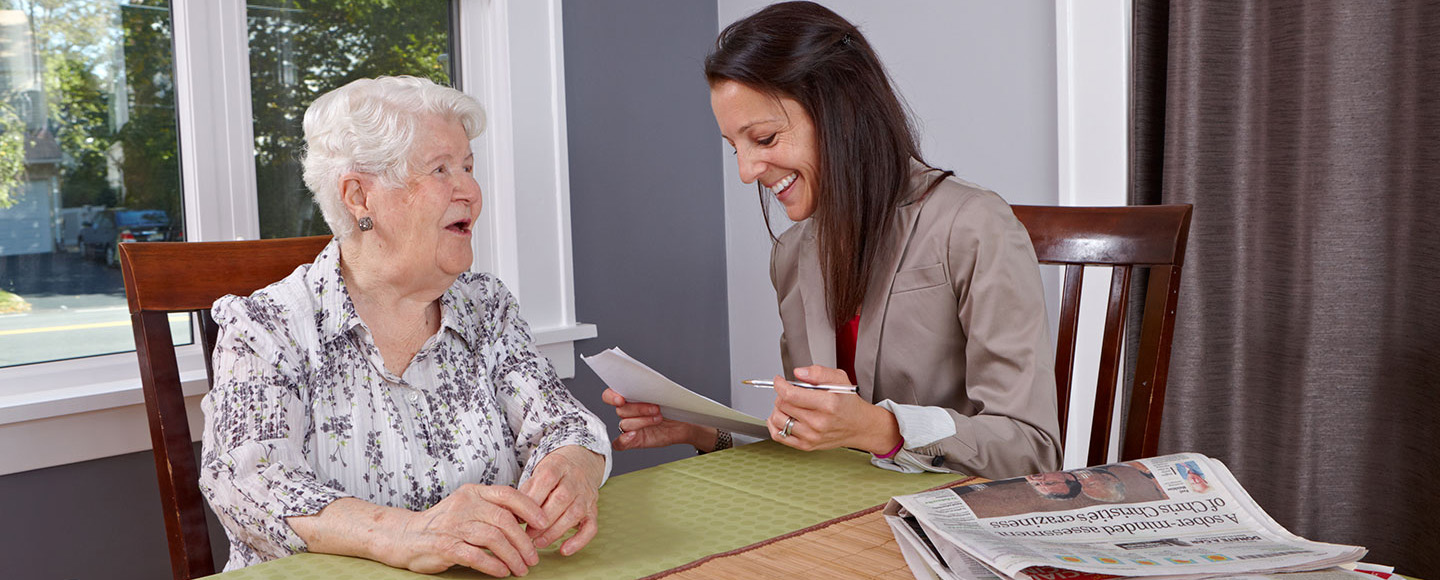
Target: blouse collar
(336,316)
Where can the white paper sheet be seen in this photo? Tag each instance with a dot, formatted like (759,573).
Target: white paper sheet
(640,383)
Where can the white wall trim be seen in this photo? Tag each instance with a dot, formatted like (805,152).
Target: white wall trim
(484,29)
(20,405)
(560,148)
(1092,68)
(212,91)
(55,426)
(75,437)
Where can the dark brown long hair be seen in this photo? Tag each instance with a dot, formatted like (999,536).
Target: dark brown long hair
(806,52)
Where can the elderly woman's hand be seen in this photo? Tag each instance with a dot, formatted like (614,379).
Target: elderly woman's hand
(566,484)
(474,517)
(642,427)
(455,532)
(826,420)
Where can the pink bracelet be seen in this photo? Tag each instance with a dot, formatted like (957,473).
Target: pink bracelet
(893,451)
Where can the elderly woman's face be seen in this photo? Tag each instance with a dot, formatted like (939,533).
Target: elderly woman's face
(774,141)
(429,220)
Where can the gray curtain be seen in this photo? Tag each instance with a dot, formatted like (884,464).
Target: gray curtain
(1307,346)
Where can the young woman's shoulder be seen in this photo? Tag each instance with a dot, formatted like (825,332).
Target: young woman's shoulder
(956,194)
(955,201)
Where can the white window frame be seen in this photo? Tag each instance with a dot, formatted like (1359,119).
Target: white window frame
(510,57)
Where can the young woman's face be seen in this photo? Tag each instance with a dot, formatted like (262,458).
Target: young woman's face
(774,141)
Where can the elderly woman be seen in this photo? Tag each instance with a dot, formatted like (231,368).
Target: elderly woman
(920,288)
(382,401)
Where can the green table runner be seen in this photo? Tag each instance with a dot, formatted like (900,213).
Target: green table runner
(673,514)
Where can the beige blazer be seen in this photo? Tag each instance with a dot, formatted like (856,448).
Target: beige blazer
(954,317)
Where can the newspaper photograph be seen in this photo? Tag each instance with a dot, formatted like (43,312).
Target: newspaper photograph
(1178,516)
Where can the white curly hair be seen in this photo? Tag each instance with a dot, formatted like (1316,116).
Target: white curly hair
(369,126)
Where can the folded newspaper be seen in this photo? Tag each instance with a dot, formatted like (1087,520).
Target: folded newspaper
(1173,517)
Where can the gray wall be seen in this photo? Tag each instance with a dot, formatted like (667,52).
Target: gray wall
(646,196)
(94,519)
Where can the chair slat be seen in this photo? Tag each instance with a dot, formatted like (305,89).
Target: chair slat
(1147,397)
(1065,343)
(1122,238)
(209,333)
(1110,351)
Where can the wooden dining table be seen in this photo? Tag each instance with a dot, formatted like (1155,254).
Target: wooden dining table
(756,511)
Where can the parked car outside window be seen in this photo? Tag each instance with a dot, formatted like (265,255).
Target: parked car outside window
(101,237)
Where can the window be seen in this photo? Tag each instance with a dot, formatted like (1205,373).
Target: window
(53,413)
(87,110)
(301,50)
(88,160)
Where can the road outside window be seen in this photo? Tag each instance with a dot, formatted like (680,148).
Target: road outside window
(87,162)
(88,143)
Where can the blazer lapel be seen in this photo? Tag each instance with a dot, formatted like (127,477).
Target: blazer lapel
(882,277)
(819,331)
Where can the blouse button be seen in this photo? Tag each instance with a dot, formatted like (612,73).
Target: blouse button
(414,396)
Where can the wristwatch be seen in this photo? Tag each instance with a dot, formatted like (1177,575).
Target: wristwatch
(723,441)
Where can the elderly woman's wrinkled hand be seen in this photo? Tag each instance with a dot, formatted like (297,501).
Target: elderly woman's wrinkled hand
(459,529)
(566,484)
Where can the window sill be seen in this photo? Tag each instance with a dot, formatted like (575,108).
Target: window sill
(48,420)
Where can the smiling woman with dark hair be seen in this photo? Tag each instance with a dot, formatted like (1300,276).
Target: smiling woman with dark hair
(920,288)
(384,402)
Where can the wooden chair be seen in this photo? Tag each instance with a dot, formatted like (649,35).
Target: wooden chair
(1123,238)
(161,278)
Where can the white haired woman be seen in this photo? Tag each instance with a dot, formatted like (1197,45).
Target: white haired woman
(383,402)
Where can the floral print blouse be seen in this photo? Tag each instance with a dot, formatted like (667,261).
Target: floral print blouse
(303,411)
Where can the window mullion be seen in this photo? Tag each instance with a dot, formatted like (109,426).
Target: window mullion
(484,73)
(217,144)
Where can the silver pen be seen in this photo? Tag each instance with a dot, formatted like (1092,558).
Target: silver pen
(830,388)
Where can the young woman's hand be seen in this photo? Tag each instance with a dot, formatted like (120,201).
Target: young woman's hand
(825,419)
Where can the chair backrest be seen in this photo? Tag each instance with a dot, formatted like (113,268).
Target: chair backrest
(161,278)
(1124,238)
